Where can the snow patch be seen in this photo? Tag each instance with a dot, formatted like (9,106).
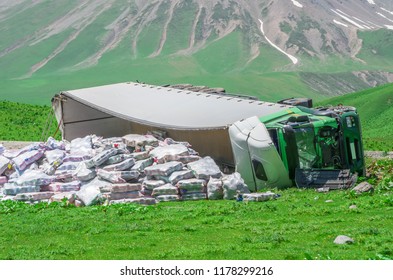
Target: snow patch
(339,23)
(390,12)
(371,2)
(291,57)
(389,27)
(385,17)
(345,17)
(297,4)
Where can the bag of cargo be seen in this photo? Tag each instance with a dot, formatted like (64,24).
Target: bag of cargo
(194,196)
(258,197)
(4,162)
(140,155)
(34,177)
(191,186)
(124,195)
(37,196)
(53,144)
(140,200)
(140,165)
(22,161)
(126,187)
(164,169)
(89,194)
(117,159)
(205,168)
(152,184)
(54,156)
(82,173)
(117,176)
(169,153)
(126,164)
(232,185)
(134,140)
(180,175)
(62,187)
(103,156)
(81,146)
(60,197)
(166,189)
(214,189)
(11,189)
(166,198)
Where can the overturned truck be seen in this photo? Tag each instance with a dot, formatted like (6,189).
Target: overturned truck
(269,144)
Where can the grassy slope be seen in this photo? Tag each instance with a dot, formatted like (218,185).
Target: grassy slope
(298,225)
(376,113)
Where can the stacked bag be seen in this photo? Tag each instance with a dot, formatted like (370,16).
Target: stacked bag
(134,168)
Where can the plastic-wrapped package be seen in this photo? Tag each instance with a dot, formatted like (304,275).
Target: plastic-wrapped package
(166,198)
(188,159)
(22,161)
(16,153)
(124,165)
(62,187)
(83,173)
(34,177)
(82,146)
(180,175)
(3,180)
(68,166)
(4,162)
(152,184)
(166,189)
(141,200)
(169,153)
(53,144)
(232,184)
(164,169)
(140,165)
(59,197)
(104,156)
(194,196)
(117,158)
(123,195)
(134,140)
(90,194)
(205,168)
(140,155)
(11,189)
(37,196)
(191,186)
(170,141)
(126,187)
(258,197)
(214,189)
(76,158)
(55,156)
(117,176)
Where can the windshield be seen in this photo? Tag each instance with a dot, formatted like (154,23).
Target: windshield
(306,147)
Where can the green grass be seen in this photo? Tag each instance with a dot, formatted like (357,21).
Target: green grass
(23,122)
(376,114)
(298,225)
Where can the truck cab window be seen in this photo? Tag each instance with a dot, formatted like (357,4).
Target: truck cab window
(259,170)
(305,141)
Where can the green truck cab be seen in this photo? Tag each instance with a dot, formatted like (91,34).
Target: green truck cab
(308,147)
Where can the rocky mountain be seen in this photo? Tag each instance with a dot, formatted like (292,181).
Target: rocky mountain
(337,46)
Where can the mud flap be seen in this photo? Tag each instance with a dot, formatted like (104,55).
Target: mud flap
(327,179)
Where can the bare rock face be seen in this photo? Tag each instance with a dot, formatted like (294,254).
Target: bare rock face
(343,239)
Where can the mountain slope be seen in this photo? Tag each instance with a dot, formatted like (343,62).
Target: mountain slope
(330,47)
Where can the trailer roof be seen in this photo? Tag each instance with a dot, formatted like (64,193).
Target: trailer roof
(171,108)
